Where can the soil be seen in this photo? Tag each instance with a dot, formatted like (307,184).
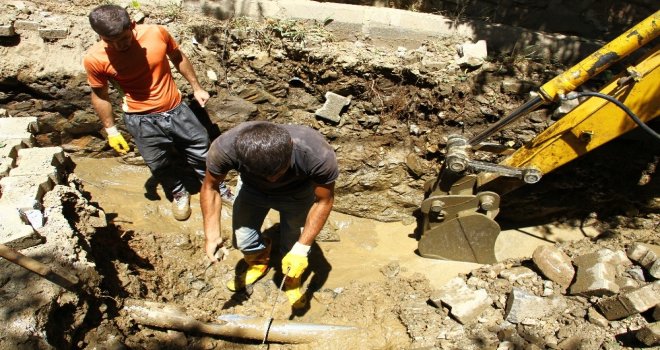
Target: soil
(364,271)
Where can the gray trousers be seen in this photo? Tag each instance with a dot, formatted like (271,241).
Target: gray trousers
(155,133)
(250,209)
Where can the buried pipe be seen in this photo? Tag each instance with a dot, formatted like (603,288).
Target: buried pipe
(169,316)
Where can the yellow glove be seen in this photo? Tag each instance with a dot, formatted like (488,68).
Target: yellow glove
(116,140)
(295,261)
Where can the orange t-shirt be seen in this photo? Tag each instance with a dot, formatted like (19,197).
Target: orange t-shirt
(142,72)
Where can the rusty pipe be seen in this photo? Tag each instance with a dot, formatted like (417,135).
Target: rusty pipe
(169,316)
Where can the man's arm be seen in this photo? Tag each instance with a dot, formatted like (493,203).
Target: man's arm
(183,65)
(318,214)
(211,204)
(295,261)
(102,106)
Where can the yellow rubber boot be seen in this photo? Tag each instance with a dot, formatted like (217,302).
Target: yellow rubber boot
(292,289)
(257,268)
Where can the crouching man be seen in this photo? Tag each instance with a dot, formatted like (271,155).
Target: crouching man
(288,168)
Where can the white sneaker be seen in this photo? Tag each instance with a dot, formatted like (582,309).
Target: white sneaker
(181,205)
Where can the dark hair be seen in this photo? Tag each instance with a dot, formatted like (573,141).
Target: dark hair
(264,148)
(109,20)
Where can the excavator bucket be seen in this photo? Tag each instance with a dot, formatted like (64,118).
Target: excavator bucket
(458,224)
(468,238)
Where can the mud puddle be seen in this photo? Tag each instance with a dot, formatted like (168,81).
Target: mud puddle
(364,248)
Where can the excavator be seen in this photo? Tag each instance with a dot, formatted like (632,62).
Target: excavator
(461,204)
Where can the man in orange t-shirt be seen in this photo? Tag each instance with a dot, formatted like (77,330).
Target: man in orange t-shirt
(135,59)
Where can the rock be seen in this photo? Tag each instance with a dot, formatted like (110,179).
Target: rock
(333,106)
(554,264)
(465,304)
(522,306)
(650,335)
(630,302)
(229,111)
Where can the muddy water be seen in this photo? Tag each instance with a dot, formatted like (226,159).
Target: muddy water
(364,249)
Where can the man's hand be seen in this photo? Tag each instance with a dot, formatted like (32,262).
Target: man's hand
(116,140)
(295,261)
(202,97)
(211,247)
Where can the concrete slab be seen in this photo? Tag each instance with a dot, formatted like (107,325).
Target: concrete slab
(37,161)
(24,191)
(14,233)
(11,127)
(8,154)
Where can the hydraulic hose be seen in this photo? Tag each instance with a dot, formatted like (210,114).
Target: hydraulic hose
(631,114)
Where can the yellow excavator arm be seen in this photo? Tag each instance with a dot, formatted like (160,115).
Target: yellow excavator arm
(460,205)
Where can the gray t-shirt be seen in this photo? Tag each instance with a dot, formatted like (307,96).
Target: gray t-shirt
(313,160)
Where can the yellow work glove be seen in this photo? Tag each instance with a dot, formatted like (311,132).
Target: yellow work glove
(116,140)
(295,261)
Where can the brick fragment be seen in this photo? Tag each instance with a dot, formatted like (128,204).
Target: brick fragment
(630,302)
(53,33)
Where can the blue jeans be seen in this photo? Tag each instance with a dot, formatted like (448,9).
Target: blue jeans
(250,209)
(155,133)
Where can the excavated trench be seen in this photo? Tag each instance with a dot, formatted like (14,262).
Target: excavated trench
(365,272)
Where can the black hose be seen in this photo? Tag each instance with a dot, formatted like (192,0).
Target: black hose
(631,114)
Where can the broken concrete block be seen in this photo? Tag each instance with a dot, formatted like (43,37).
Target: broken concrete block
(464,303)
(21,25)
(641,254)
(554,264)
(595,279)
(478,49)
(517,273)
(596,318)
(53,33)
(17,128)
(650,335)
(7,30)
(332,108)
(596,272)
(50,161)
(654,270)
(524,307)
(15,233)
(24,191)
(630,302)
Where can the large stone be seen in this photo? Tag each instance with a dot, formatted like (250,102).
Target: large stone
(596,272)
(523,307)
(464,303)
(554,264)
